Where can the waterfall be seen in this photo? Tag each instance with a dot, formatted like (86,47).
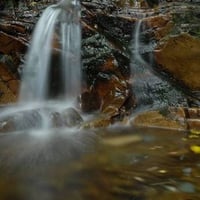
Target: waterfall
(137,55)
(139,68)
(57,37)
(71,51)
(63,21)
(150,89)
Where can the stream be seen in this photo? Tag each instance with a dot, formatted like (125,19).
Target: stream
(113,163)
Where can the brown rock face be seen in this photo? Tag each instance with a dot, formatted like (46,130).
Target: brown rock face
(10,44)
(180,57)
(90,101)
(8,85)
(13,45)
(161,25)
(156,119)
(6,95)
(110,91)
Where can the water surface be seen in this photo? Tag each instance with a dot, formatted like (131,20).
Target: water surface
(116,163)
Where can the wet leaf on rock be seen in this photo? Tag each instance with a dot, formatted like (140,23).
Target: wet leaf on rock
(195,149)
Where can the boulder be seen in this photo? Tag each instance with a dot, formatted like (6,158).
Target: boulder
(179,56)
(156,119)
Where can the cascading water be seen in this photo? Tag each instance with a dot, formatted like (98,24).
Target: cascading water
(60,25)
(66,18)
(36,70)
(150,89)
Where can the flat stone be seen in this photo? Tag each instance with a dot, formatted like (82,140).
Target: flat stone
(156,119)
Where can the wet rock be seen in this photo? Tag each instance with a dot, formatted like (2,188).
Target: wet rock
(118,28)
(182,65)
(188,116)
(11,49)
(152,3)
(99,122)
(186,19)
(14,86)
(13,29)
(112,88)
(106,56)
(106,72)
(156,119)
(9,85)
(70,117)
(6,95)
(90,101)
(99,6)
(19,121)
(113,93)
(5,74)
(193,124)
(95,51)
(67,118)
(6,126)
(56,119)
(144,4)
(160,25)
(193,113)
(11,44)
(32,119)
(171,117)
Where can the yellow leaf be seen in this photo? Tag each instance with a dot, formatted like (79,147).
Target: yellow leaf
(195,149)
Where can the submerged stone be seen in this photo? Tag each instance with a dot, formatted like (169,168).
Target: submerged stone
(187,187)
(33,119)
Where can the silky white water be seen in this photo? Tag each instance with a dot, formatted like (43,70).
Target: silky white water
(150,88)
(62,23)
(59,24)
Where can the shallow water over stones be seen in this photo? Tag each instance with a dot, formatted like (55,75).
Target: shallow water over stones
(116,163)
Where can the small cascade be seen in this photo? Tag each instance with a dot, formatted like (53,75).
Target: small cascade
(138,47)
(54,56)
(36,70)
(71,52)
(150,89)
(62,21)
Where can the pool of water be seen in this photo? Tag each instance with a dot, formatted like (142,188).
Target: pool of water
(111,164)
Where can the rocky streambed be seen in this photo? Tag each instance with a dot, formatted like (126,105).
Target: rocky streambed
(136,132)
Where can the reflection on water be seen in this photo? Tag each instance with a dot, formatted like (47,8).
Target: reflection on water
(128,164)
